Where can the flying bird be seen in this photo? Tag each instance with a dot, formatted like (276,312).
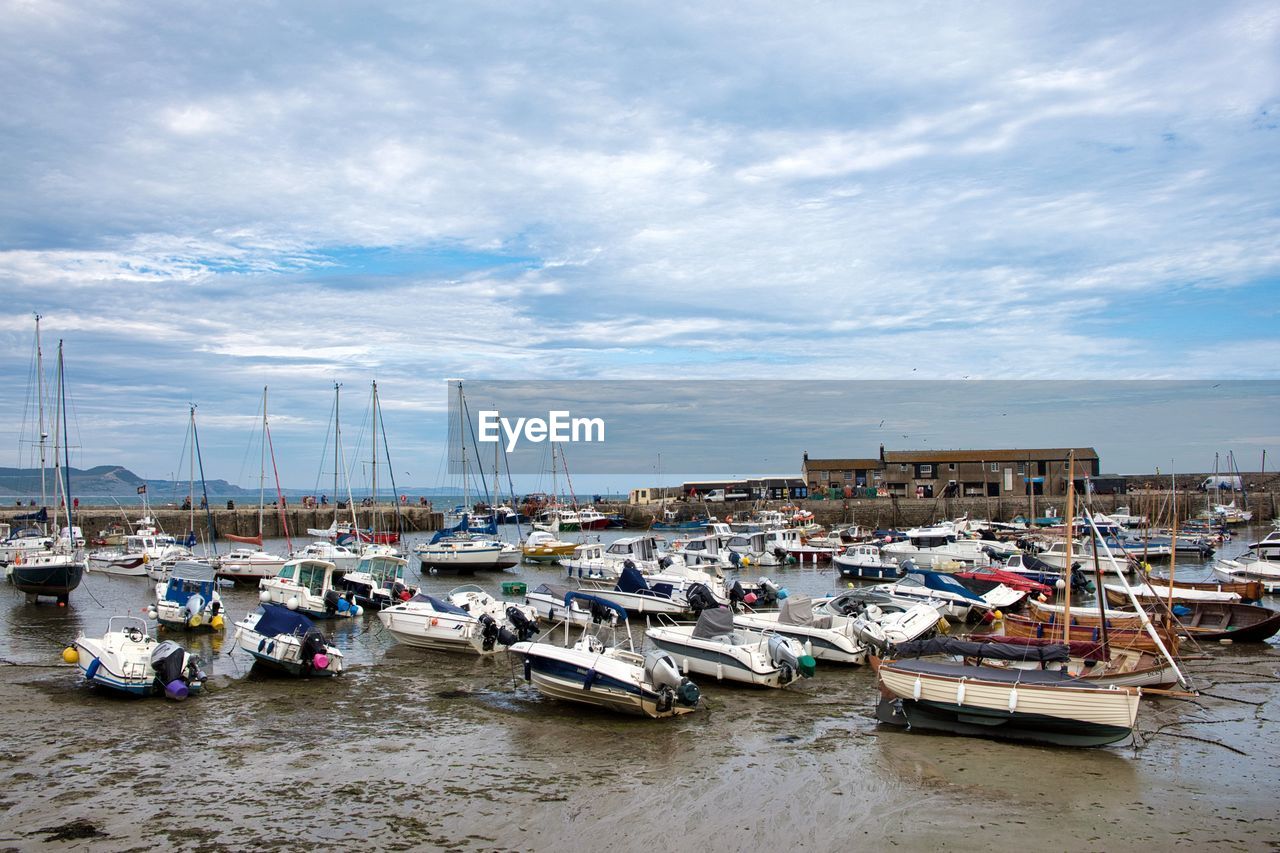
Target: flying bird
(881,423)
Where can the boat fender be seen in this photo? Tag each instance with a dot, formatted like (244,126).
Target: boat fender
(292,603)
(92,669)
(70,655)
(341,605)
(916,689)
(1013,700)
(320,661)
(356,610)
(264,596)
(528,669)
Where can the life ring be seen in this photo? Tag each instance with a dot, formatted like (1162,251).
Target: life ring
(434,621)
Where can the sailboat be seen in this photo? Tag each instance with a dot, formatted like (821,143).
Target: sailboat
(327,546)
(252,564)
(464,547)
(54,572)
(1048,706)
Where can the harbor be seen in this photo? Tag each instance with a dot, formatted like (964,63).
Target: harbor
(427,749)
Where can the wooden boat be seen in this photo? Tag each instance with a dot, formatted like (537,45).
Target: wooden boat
(1098,665)
(1152,592)
(1019,704)
(1249,591)
(1120,638)
(1221,620)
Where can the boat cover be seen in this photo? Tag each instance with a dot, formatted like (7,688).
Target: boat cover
(1047,653)
(631,580)
(714,622)
(439,604)
(278,619)
(465,526)
(798,610)
(189,570)
(1008,675)
(942,583)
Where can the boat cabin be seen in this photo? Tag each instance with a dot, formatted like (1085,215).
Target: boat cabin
(634,547)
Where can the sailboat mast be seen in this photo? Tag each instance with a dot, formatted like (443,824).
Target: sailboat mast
(1071,500)
(44,435)
(462,442)
(337,446)
(262,468)
(374,414)
(1173,540)
(192,471)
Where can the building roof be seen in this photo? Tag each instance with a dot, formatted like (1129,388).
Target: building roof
(1016,455)
(839,464)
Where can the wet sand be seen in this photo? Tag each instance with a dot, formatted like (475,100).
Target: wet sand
(420,750)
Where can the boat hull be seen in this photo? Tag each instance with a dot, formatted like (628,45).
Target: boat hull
(48,580)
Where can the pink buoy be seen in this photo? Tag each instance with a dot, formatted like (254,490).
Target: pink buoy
(321,661)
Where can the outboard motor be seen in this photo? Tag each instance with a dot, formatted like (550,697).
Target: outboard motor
(870,633)
(526,628)
(700,598)
(488,632)
(312,644)
(664,562)
(661,672)
(331,599)
(169,660)
(783,654)
(601,613)
(768,591)
(736,596)
(735,558)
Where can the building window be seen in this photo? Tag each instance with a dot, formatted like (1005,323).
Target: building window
(848,475)
(951,466)
(1022,468)
(875,476)
(822,475)
(926,471)
(902,466)
(995,467)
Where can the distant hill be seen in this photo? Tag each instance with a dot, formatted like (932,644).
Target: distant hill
(103,480)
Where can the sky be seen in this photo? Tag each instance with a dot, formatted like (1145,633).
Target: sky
(206,200)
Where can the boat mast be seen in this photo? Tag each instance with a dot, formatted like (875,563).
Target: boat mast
(44,435)
(1071,499)
(462,443)
(1173,540)
(373,513)
(337,447)
(262,467)
(191,462)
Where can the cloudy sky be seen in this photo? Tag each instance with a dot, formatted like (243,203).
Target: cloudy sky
(203,200)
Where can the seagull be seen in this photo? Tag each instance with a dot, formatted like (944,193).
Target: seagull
(881,423)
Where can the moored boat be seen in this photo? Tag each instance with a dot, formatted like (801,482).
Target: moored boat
(289,642)
(715,646)
(127,659)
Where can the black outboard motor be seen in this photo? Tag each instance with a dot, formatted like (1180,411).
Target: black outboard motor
(735,558)
(313,644)
(664,562)
(488,632)
(331,601)
(736,596)
(169,660)
(526,628)
(700,598)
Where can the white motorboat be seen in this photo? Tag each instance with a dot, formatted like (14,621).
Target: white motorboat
(940,544)
(608,675)
(865,562)
(139,550)
(127,659)
(285,640)
(467,549)
(703,551)
(188,599)
(674,593)
(600,561)
(556,603)
(468,619)
(752,549)
(1261,562)
(378,580)
(960,602)
(307,586)
(1055,556)
(897,620)
(714,646)
(343,558)
(248,565)
(543,547)
(824,636)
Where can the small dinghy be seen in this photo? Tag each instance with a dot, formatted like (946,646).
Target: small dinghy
(127,659)
(713,646)
(468,620)
(279,638)
(608,675)
(189,599)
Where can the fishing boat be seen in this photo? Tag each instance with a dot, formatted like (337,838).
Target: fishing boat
(715,646)
(127,659)
(188,599)
(826,637)
(306,586)
(55,572)
(1200,620)
(596,560)
(287,641)
(378,581)
(609,675)
(865,562)
(752,549)
(467,619)
(1045,706)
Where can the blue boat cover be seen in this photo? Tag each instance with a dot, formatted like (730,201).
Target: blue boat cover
(278,619)
(632,581)
(439,604)
(595,600)
(943,583)
(464,526)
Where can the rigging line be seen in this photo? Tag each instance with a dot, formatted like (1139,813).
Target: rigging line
(324,451)
(204,486)
(484,484)
(284,521)
(395,492)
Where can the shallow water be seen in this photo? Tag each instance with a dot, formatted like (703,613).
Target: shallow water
(416,750)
